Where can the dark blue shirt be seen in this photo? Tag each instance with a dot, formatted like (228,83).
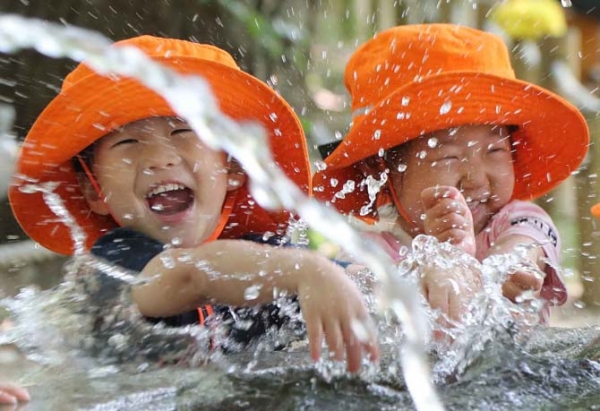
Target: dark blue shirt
(132,250)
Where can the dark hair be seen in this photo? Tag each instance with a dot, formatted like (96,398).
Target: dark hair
(87,156)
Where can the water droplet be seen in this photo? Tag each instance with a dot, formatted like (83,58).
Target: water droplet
(422,154)
(252,292)
(128,216)
(432,142)
(445,108)
(167,261)
(29,189)
(377,135)
(320,165)
(348,187)
(176,241)
(381,152)
(333,182)
(566,3)
(233,182)
(405,101)
(127,161)
(402,168)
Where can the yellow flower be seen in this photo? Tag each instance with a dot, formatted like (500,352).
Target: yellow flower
(530,19)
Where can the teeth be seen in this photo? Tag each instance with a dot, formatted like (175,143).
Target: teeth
(164,188)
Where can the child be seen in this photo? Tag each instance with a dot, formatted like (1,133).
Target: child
(459,147)
(151,197)
(11,394)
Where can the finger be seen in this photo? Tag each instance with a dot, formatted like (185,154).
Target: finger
(456,307)
(372,349)
(6,398)
(511,291)
(333,336)
(314,329)
(453,235)
(527,281)
(438,298)
(19,393)
(431,195)
(448,214)
(353,350)
(370,344)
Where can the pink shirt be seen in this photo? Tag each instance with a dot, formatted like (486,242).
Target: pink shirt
(516,218)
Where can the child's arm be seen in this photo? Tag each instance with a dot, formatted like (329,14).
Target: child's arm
(12,394)
(222,271)
(520,282)
(448,218)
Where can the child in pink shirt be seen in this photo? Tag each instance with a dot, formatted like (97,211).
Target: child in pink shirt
(445,141)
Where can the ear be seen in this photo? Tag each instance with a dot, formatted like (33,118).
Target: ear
(236,176)
(93,198)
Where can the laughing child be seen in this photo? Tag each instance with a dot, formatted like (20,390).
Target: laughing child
(459,147)
(152,198)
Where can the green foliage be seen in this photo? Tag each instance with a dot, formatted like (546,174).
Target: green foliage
(273,34)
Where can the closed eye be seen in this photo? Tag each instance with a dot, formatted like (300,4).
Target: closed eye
(447,159)
(496,150)
(125,141)
(181,131)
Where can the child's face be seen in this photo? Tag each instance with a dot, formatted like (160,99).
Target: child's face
(159,178)
(476,159)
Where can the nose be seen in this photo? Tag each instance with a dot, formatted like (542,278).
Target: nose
(473,174)
(160,154)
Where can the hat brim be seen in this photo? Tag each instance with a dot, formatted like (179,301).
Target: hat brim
(96,105)
(551,141)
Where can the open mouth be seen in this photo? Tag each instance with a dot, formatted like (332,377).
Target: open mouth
(169,199)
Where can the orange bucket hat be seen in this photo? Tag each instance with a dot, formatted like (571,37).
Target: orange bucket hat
(415,79)
(91,105)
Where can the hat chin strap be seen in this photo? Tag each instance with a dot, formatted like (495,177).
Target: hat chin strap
(228,204)
(395,200)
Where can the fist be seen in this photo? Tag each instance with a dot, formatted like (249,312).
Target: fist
(448,218)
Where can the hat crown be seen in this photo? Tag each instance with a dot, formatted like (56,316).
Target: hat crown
(405,54)
(159,48)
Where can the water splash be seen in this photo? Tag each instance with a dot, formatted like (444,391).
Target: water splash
(247,144)
(566,3)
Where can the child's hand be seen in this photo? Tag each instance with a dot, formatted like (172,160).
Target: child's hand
(450,292)
(332,306)
(448,218)
(525,280)
(11,394)
(362,277)
(520,282)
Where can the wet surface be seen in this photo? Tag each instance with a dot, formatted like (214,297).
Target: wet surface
(535,379)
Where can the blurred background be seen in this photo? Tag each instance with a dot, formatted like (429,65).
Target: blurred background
(300,48)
